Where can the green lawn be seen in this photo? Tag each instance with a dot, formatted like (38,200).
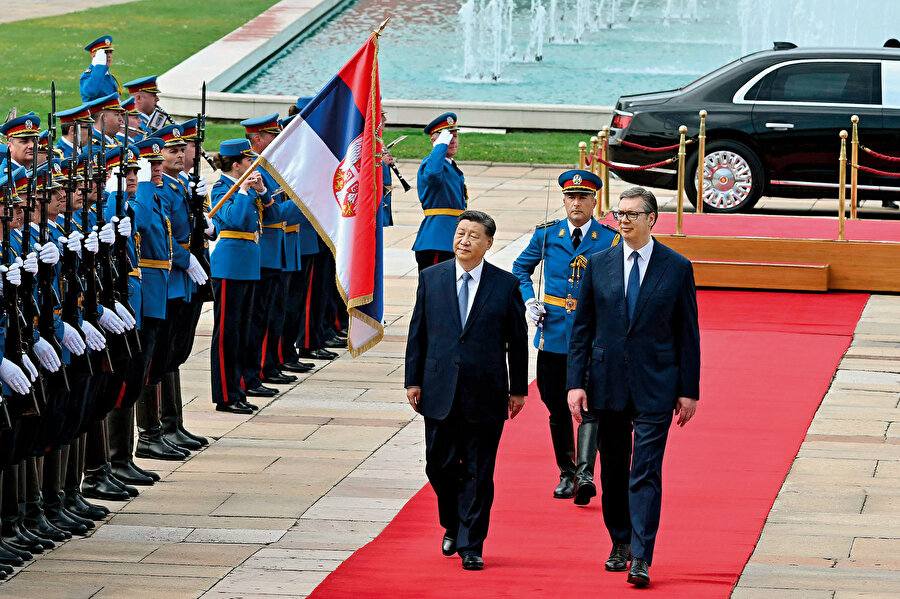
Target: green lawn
(152,36)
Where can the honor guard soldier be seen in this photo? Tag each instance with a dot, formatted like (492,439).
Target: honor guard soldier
(80,115)
(564,246)
(97,81)
(235,265)
(267,314)
(43,148)
(136,130)
(109,114)
(146,96)
(20,133)
(442,191)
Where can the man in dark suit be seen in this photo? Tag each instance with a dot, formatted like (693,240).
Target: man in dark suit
(634,357)
(466,371)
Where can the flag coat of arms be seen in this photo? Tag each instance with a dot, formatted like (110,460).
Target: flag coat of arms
(328,161)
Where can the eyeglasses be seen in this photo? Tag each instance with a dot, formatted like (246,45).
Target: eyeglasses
(627,214)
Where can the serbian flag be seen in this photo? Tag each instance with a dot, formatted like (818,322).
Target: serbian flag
(328,161)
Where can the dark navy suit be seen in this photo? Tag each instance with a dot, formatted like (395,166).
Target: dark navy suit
(633,373)
(467,375)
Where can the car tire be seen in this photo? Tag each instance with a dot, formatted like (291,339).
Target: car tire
(737,171)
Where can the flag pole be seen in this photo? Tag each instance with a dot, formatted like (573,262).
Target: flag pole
(234,187)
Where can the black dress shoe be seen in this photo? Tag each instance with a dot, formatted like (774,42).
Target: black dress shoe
(155,449)
(9,558)
(183,451)
(128,475)
(584,492)
(76,499)
(280,379)
(179,439)
(342,334)
(336,343)
(566,487)
(203,441)
(261,391)
(297,366)
(252,406)
(234,407)
(317,354)
(16,538)
(448,545)
(96,484)
(61,520)
(45,543)
(472,562)
(132,492)
(6,569)
(37,524)
(618,557)
(639,572)
(20,553)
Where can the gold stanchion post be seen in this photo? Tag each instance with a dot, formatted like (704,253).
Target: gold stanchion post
(582,154)
(679,199)
(595,164)
(604,148)
(602,171)
(854,160)
(701,158)
(842,184)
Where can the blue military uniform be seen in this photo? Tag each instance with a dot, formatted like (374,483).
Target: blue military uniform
(110,102)
(442,192)
(80,115)
(97,81)
(564,250)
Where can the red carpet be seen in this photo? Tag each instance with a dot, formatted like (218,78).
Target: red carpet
(782,227)
(768,359)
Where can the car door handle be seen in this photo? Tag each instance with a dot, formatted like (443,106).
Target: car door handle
(780,126)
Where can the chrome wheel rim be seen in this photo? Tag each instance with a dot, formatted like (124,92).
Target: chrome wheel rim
(727,180)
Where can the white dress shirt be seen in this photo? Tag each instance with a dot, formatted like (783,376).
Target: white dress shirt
(473,282)
(584,229)
(643,260)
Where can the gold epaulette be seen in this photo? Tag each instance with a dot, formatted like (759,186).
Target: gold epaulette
(549,223)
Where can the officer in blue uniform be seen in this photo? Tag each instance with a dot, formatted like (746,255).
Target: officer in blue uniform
(109,115)
(235,264)
(145,92)
(387,159)
(97,81)
(267,314)
(442,191)
(20,133)
(135,124)
(564,246)
(69,121)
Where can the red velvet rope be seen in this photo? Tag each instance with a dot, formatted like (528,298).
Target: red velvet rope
(620,167)
(649,149)
(875,171)
(877,155)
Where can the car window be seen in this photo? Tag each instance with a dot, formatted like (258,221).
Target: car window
(890,83)
(822,82)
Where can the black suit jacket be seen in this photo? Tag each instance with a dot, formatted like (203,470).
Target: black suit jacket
(656,358)
(479,365)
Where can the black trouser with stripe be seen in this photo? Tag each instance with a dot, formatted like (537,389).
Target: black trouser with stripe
(426,258)
(295,305)
(264,293)
(272,356)
(314,272)
(232,299)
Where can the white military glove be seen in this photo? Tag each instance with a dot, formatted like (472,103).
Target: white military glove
(72,242)
(143,170)
(29,368)
(201,186)
(108,234)
(195,271)
(126,316)
(444,137)
(31,263)
(210,229)
(99,57)
(46,355)
(94,338)
(91,242)
(534,310)
(13,376)
(72,340)
(110,321)
(48,253)
(123,226)
(13,272)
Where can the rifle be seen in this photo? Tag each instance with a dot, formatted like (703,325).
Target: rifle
(161,118)
(91,299)
(15,348)
(120,250)
(406,186)
(30,308)
(49,298)
(198,202)
(70,282)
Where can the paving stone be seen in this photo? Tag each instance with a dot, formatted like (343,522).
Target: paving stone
(280,505)
(190,522)
(95,548)
(163,534)
(820,546)
(260,581)
(340,534)
(225,554)
(324,560)
(234,535)
(881,549)
(780,593)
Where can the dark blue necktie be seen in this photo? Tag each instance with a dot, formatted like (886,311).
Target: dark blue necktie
(464,298)
(634,286)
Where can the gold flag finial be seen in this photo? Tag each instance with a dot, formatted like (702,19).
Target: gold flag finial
(382,26)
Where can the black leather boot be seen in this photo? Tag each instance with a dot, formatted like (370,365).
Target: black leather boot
(564,449)
(75,501)
(10,532)
(50,494)
(120,426)
(170,415)
(585,488)
(34,518)
(150,443)
(203,441)
(43,542)
(97,483)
